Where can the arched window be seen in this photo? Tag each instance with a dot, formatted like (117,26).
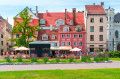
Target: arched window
(60,22)
(44,37)
(78,28)
(116,33)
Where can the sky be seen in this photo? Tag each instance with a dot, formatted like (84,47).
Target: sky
(10,8)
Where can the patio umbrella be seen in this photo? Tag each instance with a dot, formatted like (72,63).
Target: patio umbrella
(22,48)
(75,49)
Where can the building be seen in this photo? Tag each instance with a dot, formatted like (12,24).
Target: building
(113,30)
(73,33)
(95,24)
(5,35)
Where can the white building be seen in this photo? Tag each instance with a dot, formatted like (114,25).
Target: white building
(113,30)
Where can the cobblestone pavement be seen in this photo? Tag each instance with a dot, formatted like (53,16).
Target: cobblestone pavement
(114,64)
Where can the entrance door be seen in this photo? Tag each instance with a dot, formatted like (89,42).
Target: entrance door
(118,47)
(91,49)
(53,53)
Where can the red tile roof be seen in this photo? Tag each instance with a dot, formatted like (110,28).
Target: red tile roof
(49,33)
(94,8)
(51,17)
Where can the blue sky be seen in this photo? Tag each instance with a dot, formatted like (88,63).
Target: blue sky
(10,8)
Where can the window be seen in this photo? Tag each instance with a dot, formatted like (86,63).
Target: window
(65,28)
(17,36)
(63,43)
(101,28)
(2,43)
(74,43)
(71,22)
(1,35)
(68,35)
(60,22)
(53,37)
(68,43)
(80,43)
(91,37)
(110,33)
(44,37)
(78,29)
(75,35)
(91,28)
(55,44)
(42,21)
(116,34)
(63,36)
(92,20)
(101,37)
(80,36)
(110,18)
(101,19)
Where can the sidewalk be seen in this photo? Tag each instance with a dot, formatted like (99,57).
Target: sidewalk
(114,64)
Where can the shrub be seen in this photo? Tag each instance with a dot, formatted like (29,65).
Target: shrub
(45,59)
(33,58)
(57,59)
(8,59)
(113,54)
(96,58)
(71,59)
(20,59)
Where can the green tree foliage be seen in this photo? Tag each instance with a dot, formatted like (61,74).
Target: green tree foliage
(25,29)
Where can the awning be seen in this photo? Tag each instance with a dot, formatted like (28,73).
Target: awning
(75,49)
(61,48)
(22,48)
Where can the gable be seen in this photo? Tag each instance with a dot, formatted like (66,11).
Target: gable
(30,13)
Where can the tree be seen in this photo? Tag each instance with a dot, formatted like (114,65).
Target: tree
(25,29)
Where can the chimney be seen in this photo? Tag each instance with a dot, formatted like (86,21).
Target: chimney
(74,16)
(65,16)
(7,19)
(36,10)
(102,3)
(47,12)
(93,3)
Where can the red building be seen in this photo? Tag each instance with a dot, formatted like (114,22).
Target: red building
(73,32)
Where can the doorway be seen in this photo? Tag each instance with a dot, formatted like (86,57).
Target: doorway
(118,47)
(53,54)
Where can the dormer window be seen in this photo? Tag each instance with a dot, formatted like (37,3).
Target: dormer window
(42,21)
(60,22)
(53,37)
(66,28)
(44,37)
(71,22)
(78,29)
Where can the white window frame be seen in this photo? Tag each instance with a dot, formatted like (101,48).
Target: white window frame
(68,35)
(63,43)
(60,22)
(74,36)
(80,36)
(62,36)
(80,43)
(74,43)
(44,35)
(53,36)
(68,43)
(71,22)
(66,28)
(42,20)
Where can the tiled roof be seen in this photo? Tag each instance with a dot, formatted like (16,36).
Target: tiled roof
(94,8)
(49,33)
(51,17)
(117,17)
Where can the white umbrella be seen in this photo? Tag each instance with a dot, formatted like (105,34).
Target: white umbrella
(75,49)
(22,48)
